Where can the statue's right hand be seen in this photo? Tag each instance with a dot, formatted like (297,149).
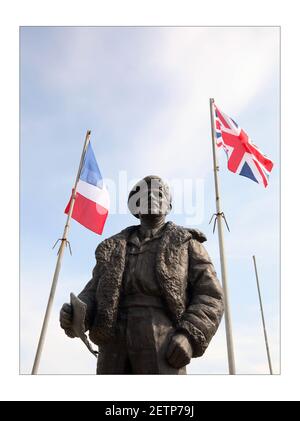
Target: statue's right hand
(65,318)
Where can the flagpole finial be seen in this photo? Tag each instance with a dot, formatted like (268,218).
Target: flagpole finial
(212,100)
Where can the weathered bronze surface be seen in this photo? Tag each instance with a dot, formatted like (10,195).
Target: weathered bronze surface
(154,300)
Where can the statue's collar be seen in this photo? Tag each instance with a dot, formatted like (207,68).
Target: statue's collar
(168,229)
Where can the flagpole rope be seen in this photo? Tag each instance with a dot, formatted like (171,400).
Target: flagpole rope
(67,244)
(216,217)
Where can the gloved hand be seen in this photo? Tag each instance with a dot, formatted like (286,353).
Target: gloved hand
(179,352)
(65,318)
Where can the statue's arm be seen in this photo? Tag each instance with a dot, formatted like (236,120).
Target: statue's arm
(88,296)
(205,299)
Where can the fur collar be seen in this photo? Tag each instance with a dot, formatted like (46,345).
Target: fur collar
(111,254)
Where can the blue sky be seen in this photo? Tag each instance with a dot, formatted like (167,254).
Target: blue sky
(144,93)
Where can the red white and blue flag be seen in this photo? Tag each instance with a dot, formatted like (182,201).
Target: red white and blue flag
(244,158)
(92,200)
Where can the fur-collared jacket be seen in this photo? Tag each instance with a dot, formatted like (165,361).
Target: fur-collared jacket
(185,274)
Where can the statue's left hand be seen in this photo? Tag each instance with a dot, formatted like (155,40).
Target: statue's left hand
(179,352)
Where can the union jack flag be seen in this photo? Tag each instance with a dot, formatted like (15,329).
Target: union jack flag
(244,158)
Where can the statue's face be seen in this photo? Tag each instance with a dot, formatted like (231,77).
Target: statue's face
(150,198)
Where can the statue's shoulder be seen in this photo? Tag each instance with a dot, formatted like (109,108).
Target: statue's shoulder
(188,232)
(197,234)
(110,241)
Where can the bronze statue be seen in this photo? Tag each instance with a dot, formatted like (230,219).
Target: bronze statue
(154,300)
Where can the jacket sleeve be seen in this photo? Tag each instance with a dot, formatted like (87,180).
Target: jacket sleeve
(88,295)
(205,300)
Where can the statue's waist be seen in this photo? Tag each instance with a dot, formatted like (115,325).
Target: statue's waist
(141,300)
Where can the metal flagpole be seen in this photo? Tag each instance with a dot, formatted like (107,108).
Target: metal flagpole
(62,247)
(262,317)
(219,216)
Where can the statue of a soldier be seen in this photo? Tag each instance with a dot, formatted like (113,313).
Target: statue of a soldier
(154,300)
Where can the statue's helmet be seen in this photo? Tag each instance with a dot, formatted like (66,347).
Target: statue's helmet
(151,195)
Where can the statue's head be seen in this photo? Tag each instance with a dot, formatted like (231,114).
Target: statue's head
(150,196)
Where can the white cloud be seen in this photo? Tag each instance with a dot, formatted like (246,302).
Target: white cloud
(231,64)
(170,137)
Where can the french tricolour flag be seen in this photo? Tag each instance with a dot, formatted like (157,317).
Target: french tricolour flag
(92,200)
